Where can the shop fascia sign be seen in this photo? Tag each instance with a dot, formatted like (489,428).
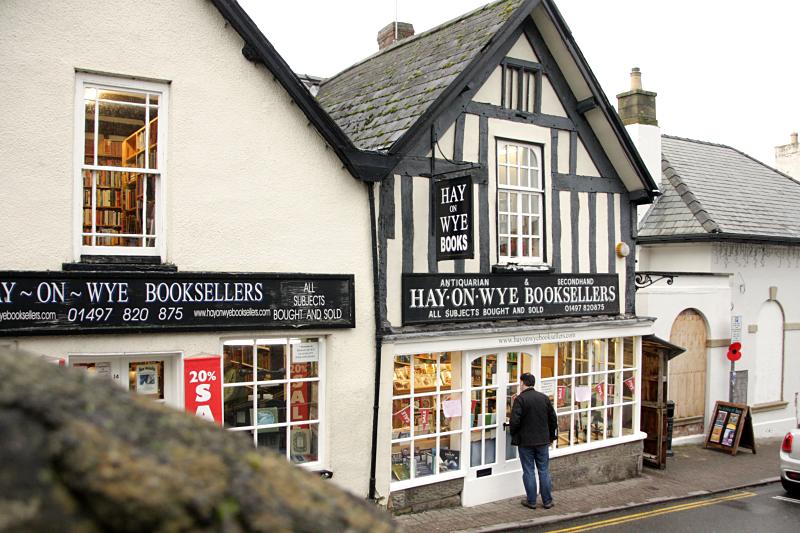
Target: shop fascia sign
(40,303)
(434,298)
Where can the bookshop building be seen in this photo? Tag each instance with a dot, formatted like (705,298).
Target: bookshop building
(179,213)
(505,246)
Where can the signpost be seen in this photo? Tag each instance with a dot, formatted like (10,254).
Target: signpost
(41,303)
(734,352)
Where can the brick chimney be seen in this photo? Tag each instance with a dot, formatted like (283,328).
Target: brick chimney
(787,157)
(390,35)
(637,109)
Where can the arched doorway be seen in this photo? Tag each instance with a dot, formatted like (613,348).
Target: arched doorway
(687,372)
(769,354)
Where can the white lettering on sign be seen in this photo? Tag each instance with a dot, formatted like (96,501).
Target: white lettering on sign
(453,194)
(204,411)
(306,352)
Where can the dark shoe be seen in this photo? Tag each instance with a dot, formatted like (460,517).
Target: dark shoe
(529,505)
(548,505)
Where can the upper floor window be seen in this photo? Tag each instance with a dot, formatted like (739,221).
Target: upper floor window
(121,167)
(520,199)
(521,85)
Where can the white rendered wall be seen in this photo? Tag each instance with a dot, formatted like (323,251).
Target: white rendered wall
(250,185)
(746,274)
(647,139)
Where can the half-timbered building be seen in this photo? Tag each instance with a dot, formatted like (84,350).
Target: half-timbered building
(505,226)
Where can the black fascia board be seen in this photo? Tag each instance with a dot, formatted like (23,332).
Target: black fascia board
(718,237)
(423,123)
(603,104)
(262,50)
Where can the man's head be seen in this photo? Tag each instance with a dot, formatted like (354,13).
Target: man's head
(528,380)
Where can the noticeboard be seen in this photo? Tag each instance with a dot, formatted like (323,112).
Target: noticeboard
(731,428)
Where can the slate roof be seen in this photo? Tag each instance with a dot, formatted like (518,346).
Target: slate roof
(377,100)
(715,189)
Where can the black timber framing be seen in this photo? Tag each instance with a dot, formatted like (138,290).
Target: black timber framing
(586,105)
(483,197)
(573,152)
(571,182)
(568,101)
(386,219)
(458,155)
(612,237)
(627,215)
(593,232)
(604,106)
(575,216)
(556,203)
(467,83)
(514,115)
(407,216)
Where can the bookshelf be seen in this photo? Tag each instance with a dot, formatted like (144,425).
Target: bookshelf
(119,195)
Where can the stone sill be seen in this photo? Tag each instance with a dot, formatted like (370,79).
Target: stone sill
(771,406)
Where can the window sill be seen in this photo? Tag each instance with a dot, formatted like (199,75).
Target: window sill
(118,263)
(513,267)
(770,406)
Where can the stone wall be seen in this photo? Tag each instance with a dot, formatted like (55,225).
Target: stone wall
(592,467)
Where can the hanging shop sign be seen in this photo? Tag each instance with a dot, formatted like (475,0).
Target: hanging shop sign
(40,303)
(453,199)
(434,298)
(202,387)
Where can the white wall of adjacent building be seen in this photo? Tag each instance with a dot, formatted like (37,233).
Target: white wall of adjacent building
(249,185)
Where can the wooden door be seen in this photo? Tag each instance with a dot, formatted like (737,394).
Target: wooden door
(687,372)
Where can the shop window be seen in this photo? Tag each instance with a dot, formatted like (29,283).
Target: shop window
(121,127)
(592,385)
(520,198)
(271,390)
(426,415)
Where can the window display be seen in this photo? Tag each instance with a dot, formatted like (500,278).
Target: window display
(426,415)
(271,388)
(592,384)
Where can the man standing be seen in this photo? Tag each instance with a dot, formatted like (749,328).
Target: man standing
(533,428)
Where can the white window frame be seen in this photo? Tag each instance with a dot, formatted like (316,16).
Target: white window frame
(322,451)
(437,434)
(82,81)
(537,192)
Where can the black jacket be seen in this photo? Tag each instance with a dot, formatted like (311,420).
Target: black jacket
(533,419)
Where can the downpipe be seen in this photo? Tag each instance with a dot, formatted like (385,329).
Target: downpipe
(372,496)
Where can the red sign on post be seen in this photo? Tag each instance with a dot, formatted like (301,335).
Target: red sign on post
(735,351)
(203,388)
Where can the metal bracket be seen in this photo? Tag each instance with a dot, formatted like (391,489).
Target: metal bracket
(645,280)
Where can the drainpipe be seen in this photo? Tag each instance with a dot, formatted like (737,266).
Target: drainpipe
(378,341)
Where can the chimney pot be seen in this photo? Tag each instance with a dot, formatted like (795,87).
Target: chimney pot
(636,79)
(386,36)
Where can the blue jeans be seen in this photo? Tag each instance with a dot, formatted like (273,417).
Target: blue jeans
(536,458)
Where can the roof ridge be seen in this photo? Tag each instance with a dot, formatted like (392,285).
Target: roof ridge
(399,44)
(748,156)
(692,202)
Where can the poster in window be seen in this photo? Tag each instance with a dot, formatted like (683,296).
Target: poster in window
(147,379)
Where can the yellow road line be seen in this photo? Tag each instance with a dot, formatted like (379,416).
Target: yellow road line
(656,512)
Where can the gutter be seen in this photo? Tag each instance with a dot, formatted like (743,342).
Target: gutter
(717,237)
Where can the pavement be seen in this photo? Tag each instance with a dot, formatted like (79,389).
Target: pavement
(692,471)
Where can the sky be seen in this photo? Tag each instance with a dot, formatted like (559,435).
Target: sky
(726,71)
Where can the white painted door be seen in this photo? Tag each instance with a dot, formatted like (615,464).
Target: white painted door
(492,377)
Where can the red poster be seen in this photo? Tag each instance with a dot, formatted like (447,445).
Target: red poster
(404,416)
(202,387)
(299,393)
(425,415)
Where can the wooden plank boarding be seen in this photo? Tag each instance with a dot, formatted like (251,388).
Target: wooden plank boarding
(731,428)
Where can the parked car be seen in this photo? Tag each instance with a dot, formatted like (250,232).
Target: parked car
(790,462)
